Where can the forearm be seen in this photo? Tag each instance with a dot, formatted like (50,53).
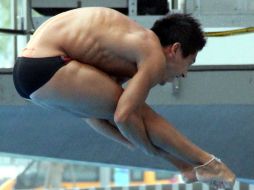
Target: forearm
(133,128)
(165,136)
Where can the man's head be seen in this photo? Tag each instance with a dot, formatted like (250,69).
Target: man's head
(181,37)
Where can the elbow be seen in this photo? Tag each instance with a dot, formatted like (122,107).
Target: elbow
(121,117)
(124,112)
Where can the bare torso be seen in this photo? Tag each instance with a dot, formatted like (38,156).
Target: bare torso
(94,36)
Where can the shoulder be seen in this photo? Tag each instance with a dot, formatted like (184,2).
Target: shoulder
(146,44)
(145,38)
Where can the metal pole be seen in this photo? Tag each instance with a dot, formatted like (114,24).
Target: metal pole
(73,177)
(105,177)
(14,26)
(27,17)
(176,86)
(132,7)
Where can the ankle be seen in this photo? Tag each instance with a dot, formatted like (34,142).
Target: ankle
(206,158)
(209,163)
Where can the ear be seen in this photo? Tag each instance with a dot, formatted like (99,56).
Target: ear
(168,50)
(176,47)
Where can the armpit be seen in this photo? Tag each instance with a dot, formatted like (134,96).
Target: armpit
(119,80)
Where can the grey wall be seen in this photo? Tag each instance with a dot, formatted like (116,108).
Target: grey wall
(8,94)
(214,87)
(207,87)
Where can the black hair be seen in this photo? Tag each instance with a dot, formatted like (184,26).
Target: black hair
(182,28)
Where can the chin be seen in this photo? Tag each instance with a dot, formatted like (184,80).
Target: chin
(162,83)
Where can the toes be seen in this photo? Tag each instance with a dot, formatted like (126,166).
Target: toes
(189,176)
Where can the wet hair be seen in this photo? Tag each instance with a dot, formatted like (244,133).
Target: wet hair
(182,28)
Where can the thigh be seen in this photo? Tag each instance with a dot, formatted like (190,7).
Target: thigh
(80,89)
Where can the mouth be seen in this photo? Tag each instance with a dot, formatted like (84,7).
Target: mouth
(179,76)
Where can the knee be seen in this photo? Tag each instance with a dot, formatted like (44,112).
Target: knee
(151,152)
(116,93)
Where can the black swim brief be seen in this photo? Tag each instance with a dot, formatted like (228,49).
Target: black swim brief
(29,74)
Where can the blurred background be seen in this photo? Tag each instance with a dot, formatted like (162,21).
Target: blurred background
(222,75)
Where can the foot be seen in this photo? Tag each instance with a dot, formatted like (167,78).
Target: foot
(216,174)
(189,176)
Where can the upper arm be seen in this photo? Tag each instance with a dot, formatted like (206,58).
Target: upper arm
(139,86)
